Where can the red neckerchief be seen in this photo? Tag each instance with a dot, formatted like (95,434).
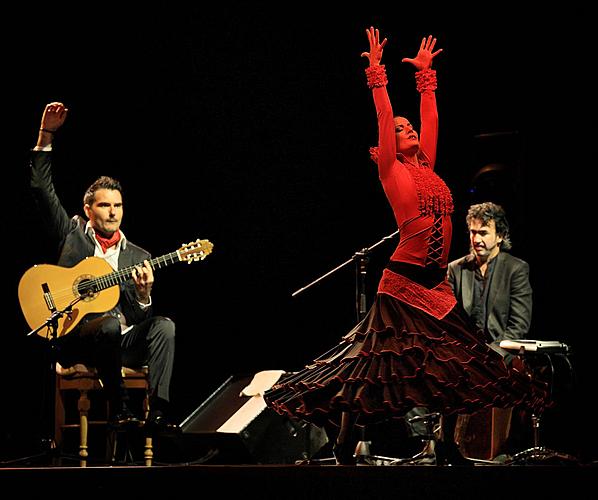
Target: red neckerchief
(106,243)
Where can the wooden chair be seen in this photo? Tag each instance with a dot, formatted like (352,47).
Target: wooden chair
(84,379)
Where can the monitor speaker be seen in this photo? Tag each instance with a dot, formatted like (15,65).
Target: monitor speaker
(231,428)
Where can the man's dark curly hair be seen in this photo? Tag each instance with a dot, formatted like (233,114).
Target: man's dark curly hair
(103,182)
(488,211)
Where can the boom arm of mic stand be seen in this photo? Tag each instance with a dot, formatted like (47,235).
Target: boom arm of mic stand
(53,319)
(390,236)
(49,322)
(322,277)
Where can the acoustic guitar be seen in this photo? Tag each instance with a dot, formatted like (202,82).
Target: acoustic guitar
(67,294)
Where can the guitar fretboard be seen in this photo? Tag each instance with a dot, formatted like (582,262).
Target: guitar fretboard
(109,280)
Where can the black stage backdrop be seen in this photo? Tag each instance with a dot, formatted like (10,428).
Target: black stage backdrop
(251,128)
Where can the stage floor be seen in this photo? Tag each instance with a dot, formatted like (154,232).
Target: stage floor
(307,481)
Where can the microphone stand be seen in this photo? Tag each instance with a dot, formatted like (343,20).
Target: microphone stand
(361,259)
(48,440)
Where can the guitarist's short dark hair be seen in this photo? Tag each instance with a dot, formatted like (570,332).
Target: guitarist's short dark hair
(103,182)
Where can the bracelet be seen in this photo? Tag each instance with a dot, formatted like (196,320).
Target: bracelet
(46,130)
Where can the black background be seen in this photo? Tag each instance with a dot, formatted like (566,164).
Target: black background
(250,127)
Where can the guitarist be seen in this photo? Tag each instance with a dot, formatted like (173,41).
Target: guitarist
(128,334)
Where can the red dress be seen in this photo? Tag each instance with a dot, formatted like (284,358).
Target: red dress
(415,346)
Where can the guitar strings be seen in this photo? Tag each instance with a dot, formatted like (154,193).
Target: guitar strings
(99,283)
(64,297)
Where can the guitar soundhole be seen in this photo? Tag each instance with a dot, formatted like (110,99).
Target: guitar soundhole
(84,287)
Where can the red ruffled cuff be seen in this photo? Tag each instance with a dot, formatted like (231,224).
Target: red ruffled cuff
(425,80)
(376,76)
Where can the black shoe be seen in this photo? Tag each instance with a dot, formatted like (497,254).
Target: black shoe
(122,418)
(158,425)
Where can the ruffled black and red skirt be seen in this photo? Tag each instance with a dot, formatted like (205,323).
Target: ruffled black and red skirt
(399,357)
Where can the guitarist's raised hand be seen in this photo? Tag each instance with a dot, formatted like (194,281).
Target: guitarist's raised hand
(143,276)
(52,119)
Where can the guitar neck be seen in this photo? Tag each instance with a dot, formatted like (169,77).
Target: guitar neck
(122,275)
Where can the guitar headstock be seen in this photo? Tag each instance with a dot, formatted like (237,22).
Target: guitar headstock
(196,250)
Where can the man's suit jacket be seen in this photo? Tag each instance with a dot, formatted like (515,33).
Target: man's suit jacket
(74,244)
(509,307)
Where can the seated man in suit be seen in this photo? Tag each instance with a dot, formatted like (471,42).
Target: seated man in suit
(493,287)
(129,334)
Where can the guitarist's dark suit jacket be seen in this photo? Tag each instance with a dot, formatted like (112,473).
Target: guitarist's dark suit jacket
(509,306)
(74,244)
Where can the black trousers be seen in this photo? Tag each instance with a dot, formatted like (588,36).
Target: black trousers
(99,343)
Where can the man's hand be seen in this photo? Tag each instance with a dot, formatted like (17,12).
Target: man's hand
(52,119)
(143,276)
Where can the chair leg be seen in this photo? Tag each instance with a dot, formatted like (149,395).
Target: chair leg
(148,451)
(83,407)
